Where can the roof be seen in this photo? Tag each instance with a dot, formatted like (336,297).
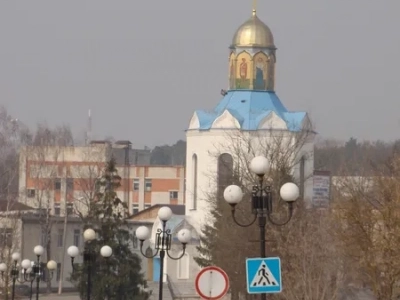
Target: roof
(253,33)
(250,108)
(176,209)
(13,206)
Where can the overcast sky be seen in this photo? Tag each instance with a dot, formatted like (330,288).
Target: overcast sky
(143,67)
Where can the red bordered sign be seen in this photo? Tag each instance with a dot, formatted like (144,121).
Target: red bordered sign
(212,283)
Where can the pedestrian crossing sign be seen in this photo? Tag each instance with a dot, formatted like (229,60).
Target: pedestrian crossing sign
(264,275)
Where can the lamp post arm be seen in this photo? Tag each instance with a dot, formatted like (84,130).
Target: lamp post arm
(180,256)
(240,224)
(144,254)
(24,279)
(288,218)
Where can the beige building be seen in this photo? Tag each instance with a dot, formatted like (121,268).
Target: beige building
(63,179)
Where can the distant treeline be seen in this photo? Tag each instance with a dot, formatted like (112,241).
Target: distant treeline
(349,158)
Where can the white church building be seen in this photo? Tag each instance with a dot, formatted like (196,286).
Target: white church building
(249,118)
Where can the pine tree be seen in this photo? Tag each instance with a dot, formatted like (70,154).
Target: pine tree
(119,276)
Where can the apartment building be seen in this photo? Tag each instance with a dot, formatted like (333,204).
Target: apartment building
(62,179)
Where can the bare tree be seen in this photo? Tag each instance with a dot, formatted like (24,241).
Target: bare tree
(367,226)
(13,134)
(223,242)
(42,166)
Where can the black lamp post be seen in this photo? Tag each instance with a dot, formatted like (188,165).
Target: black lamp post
(163,241)
(89,256)
(26,264)
(261,201)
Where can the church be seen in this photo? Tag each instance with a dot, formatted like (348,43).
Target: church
(249,120)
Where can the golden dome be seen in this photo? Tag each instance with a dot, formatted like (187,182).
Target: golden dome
(253,33)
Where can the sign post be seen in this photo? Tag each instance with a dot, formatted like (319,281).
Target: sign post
(212,283)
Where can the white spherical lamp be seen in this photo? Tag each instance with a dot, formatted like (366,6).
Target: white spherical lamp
(259,165)
(142,233)
(106,251)
(3,267)
(164,213)
(89,235)
(233,194)
(289,192)
(184,236)
(73,251)
(15,256)
(51,265)
(26,264)
(38,250)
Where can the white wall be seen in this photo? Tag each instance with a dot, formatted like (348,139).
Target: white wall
(207,145)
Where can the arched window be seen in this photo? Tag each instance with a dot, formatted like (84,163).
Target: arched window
(225,172)
(194,176)
(302,176)
(183,267)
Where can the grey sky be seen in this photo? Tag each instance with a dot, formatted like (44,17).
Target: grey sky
(143,67)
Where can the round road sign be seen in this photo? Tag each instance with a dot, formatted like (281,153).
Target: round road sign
(212,283)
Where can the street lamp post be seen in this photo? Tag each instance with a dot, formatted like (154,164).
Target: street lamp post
(261,201)
(37,268)
(163,241)
(89,256)
(26,264)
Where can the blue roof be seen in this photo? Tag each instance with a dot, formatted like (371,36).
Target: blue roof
(250,107)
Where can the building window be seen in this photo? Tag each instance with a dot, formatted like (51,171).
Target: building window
(6,237)
(147,185)
(30,193)
(57,183)
(147,205)
(43,239)
(70,208)
(134,240)
(57,209)
(183,267)
(136,184)
(60,238)
(58,271)
(135,208)
(194,175)
(173,195)
(70,184)
(77,237)
(44,269)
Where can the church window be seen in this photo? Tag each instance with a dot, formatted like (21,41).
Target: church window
(302,176)
(194,176)
(225,172)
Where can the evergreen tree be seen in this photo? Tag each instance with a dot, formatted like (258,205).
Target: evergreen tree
(119,276)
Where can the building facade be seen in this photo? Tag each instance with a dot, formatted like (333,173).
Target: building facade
(63,179)
(32,235)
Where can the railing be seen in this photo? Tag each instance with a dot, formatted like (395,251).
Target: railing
(170,287)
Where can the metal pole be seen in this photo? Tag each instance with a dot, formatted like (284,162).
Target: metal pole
(89,277)
(30,296)
(160,292)
(13,287)
(37,285)
(262,222)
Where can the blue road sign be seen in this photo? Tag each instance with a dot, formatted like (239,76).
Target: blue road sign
(263,275)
